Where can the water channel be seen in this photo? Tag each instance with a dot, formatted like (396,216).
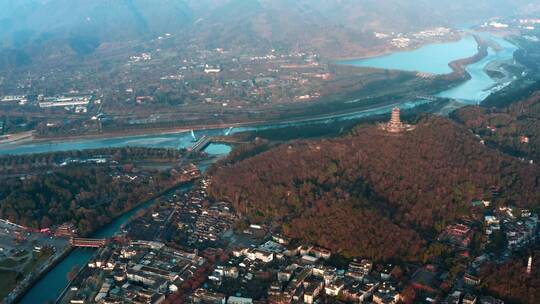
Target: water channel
(429,59)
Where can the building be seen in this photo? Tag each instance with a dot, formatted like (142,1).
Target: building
(333,289)
(309,259)
(256,254)
(65,230)
(202,295)
(312,291)
(395,125)
(62,101)
(208,69)
(358,270)
(239,300)
(471,280)
(469,299)
(453,298)
(14,98)
(322,253)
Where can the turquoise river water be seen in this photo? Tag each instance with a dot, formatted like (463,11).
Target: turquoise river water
(429,59)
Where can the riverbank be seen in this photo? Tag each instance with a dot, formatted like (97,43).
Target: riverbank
(482,84)
(22,288)
(77,275)
(105,231)
(16,137)
(178,130)
(443,87)
(391,50)
(459,67)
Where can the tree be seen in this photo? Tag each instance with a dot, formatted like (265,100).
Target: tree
(408,295)
(72,274)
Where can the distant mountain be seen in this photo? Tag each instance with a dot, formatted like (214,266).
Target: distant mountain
(278,24)
(334,27)
(107,20)
(79,26)
(407,14)
(45,27)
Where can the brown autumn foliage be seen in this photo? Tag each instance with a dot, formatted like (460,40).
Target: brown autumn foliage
(88,196)
(505,128)
(510,281)
(371,193)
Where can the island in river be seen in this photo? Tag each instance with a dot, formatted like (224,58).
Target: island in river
(469,89)
(343,88)
(183,139)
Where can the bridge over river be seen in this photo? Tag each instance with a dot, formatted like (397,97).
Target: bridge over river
(90,243)
(479,85)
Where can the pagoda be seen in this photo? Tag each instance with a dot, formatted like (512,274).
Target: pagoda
(395,125)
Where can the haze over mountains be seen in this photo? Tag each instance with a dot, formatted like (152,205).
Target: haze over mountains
(30,27)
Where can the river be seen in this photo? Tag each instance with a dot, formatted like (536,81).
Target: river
(429,59)
(434,58)
(184,139)
(52,284)
(481,85)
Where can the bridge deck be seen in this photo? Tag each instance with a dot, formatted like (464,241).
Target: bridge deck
(201,144)
(84,242)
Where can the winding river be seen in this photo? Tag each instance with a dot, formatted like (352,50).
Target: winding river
(429,59)
(481,85)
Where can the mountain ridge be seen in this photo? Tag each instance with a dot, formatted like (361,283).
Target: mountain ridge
(35,24)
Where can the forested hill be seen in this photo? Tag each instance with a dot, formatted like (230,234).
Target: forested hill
(514,129)
(372,193)
(509,282)
(45,190)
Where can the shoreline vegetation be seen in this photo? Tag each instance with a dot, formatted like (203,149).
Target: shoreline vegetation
(58,259)
(458,67)
(32,281)
(162,186)
(52,196)
(177,130)
(327,176)
(458,71)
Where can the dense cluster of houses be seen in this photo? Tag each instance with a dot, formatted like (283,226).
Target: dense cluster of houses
(260,266)
(518,225)
(135,272)
(287,273)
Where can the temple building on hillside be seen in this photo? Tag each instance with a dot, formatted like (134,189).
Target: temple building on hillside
(395,125)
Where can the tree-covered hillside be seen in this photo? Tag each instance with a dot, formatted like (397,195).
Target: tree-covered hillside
(372,193)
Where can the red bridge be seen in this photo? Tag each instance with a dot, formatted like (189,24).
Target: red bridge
(82,242)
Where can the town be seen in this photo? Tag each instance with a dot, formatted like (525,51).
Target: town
(284,151)
(161,86)
(30,250)
(187,248)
